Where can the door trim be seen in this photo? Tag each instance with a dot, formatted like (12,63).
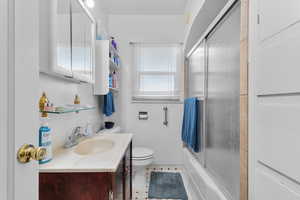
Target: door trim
(244,92)
(7,66)
(3,97)
(252,85)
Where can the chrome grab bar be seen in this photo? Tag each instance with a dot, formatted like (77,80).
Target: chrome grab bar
(166,116)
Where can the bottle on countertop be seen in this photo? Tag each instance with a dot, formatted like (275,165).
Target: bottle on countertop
(45,140)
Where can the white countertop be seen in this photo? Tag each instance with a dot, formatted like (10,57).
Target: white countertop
(65,160)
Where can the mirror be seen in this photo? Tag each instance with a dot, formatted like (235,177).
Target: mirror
(82,42)
(63,37)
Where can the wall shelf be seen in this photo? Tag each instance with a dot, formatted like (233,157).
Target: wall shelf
(114,89)
(113,65)
(105,65)
(68,109)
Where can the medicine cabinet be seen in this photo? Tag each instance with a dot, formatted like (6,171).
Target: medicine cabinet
(67,40)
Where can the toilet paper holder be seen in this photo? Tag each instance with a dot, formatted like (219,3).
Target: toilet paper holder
(143,115)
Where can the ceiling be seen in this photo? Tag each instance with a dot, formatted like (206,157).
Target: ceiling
(144,6)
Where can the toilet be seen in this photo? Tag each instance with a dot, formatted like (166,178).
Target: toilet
(141,158)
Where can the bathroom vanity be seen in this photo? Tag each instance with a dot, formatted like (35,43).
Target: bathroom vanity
(99,168)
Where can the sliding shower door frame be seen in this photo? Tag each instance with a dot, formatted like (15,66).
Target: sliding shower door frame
(202,98)
(223,131)
(243,129)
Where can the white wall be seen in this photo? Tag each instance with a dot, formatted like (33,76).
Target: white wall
(61,92)
(191,11)
(101,16)
(166,141)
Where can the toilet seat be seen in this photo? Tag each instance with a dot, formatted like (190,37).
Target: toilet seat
(145,158)
(140,153)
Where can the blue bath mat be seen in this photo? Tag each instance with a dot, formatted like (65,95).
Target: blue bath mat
(166,185)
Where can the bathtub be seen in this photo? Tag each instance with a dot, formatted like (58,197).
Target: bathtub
(203,186)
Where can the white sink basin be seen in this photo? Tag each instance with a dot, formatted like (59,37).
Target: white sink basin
(90,147)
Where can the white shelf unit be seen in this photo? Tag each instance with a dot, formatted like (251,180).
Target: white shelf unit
(104,65)
(113,65)
(114,89)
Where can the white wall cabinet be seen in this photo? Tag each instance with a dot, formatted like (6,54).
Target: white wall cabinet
(101,86)
(107,62)
(67,32)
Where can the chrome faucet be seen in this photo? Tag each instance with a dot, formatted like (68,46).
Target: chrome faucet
(73,139)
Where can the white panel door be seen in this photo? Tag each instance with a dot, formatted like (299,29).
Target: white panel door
(274,100)
(18,96)
(279,42)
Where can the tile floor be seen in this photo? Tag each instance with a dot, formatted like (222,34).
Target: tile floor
(141,180)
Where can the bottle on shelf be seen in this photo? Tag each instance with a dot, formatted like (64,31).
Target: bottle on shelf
(110,81)
(114,79)
(49,107)
(77,100)
(43,104)
(113,43)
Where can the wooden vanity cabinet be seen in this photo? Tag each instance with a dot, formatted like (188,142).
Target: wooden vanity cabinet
(89,186)
(127,166)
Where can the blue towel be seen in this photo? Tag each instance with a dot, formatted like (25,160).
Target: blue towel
(108,106)
(190,135)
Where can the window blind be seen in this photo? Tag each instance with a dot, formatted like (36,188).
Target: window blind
(156,71)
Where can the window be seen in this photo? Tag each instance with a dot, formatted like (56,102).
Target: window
(156,71)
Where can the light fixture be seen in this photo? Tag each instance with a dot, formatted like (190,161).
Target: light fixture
(90,3)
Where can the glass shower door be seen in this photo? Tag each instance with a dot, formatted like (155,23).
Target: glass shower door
(222,110)
(197,88)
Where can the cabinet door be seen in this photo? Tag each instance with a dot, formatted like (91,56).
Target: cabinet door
(63,38)
(118,189)
(128,174)
(89,54)
(75,186)
(82,43)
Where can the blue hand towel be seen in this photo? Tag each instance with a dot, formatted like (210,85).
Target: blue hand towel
(108,106)
(190,135)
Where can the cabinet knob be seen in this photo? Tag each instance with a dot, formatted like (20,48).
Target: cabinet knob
(28,152)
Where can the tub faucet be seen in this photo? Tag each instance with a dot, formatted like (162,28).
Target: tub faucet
(73,139)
